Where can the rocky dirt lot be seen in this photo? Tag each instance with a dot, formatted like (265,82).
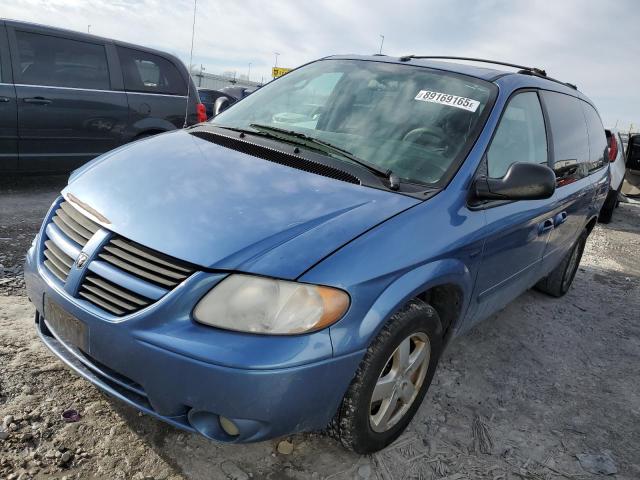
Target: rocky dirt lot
(549,388)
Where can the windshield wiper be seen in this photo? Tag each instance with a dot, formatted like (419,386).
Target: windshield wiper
(224,127)
(326,147)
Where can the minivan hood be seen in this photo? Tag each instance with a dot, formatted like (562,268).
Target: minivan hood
(222,209)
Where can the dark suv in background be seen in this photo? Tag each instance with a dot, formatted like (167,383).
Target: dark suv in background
(233,93)
(66,97)
(208,97)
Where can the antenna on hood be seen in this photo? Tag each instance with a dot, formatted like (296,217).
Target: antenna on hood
(193,33)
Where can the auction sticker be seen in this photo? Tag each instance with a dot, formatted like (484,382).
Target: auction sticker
(446,99)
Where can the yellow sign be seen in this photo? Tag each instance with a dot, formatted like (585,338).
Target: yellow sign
(279,71)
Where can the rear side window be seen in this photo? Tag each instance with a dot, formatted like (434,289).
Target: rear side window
(597,138)
(146,72)
(570,140)
(520,137)
(60,62)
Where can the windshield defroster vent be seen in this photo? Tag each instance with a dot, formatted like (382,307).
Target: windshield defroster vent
(276,156)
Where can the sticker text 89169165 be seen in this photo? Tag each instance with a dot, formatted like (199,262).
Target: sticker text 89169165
(447,99)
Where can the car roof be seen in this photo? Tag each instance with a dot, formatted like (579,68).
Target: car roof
(97,38)
(489,74)
(482,73)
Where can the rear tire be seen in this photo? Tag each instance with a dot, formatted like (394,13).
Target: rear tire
(558,282)
(606,212)
(362,424)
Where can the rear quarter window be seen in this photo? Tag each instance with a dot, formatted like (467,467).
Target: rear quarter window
(569,133)
(597,138)
(146,72)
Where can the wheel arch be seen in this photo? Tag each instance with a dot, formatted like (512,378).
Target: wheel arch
(445,284)
(447,299)
(148,133)
(148,126)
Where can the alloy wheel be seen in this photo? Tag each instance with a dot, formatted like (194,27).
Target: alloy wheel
(399,382)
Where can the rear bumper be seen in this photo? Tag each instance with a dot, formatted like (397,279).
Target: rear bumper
(165,365)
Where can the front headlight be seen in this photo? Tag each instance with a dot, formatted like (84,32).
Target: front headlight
(248,303)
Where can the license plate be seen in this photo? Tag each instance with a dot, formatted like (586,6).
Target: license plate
(65,326)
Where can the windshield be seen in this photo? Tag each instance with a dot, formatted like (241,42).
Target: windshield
(411,120)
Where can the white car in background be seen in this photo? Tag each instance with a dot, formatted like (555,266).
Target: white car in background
(617,170)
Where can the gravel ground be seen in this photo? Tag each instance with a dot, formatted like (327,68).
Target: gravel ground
(548,388)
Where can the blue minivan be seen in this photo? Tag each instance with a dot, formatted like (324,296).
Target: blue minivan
(300,261)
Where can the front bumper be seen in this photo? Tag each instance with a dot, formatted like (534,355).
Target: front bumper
(163,363)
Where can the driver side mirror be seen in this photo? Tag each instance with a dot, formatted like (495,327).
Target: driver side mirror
(523,181)
(220,105)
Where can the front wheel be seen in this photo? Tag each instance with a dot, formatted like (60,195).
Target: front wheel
(391,381)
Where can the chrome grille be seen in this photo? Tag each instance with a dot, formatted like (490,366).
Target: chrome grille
(58,262)
(111,297)
(74,224)
(67,233)
(148,275)
(123,278)
(144,263)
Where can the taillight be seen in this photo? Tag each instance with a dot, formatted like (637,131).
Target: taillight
(202,113)
(613,148)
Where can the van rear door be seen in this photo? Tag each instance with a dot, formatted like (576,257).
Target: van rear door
(8,110)
(598,167)
(574,190)
(68,112)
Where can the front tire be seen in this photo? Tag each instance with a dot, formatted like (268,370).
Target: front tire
(558,282)
(391,380)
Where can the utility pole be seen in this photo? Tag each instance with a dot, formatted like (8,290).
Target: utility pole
(193,33)
(381,43)
(202,69)
(249,74)
(276,62)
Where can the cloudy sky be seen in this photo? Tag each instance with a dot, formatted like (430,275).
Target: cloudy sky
(589,42)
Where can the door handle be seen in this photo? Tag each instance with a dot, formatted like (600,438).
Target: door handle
(4,99)
(560,218)
(38,100)
(545,226)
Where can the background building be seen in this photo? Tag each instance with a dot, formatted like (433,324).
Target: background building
(217,82)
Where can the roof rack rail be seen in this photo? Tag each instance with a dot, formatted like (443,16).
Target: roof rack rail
(567,84)
(538,72)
